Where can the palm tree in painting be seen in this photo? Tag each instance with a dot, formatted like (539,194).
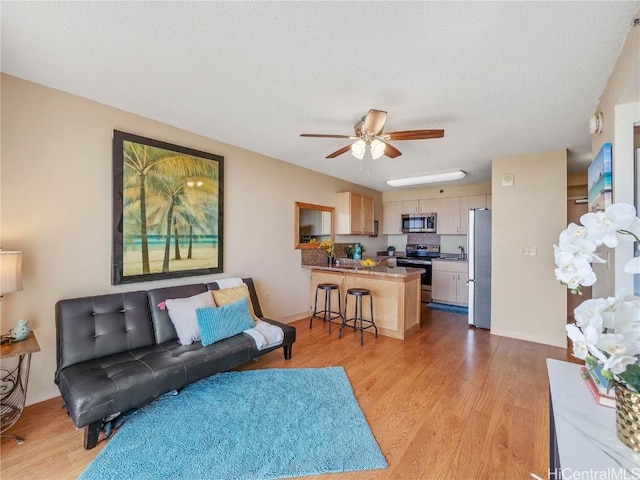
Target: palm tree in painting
(139,160)
(175,203)
(156,198)
(194,216)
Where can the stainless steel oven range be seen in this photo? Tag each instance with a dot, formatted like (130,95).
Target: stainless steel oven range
(419,256)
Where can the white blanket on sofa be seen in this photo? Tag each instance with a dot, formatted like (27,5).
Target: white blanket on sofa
(265,335)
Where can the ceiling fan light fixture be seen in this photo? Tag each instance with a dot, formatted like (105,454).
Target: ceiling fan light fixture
(430,178)
(377,148)
(358,149)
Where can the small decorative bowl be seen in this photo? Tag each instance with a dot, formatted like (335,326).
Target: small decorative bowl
(368,263)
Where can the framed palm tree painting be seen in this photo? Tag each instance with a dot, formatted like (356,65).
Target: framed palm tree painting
(167,210)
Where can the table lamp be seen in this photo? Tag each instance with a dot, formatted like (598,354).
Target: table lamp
(10,272)
(11,281)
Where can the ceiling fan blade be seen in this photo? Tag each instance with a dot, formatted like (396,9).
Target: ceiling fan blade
(339,152)
(374,122)
(414,135)
(322,135)
(391,151)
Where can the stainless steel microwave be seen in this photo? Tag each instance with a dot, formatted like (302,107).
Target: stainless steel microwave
(418,222)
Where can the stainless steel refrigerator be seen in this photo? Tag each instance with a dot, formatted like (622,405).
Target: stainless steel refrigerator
(479,250)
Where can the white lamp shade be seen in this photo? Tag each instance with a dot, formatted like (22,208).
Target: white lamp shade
(358,149)
(10,272)
(377,148)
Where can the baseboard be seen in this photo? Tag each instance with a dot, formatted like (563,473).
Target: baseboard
(41,395)
(529,338)
(293,318)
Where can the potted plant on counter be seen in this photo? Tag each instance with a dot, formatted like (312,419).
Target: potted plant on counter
(391,250)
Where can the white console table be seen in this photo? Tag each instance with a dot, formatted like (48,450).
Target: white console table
(583,441)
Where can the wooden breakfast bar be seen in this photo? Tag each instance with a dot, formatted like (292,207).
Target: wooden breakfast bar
(395,292)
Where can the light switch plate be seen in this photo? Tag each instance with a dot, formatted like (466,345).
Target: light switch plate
(507,180)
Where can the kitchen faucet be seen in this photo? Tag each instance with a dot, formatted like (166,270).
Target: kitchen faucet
(461,251)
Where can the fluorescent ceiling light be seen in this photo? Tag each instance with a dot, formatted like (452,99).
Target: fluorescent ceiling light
(430,178)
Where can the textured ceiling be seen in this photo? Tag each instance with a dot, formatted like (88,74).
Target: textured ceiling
(502,78)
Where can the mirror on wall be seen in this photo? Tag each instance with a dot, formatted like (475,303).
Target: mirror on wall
(313,224)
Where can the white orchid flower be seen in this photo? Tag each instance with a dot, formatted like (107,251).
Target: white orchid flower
(618,365)
(573,270)
(602,227)
(612,344)
(589,312)
(584,342)
(574,239)
(634,230)
(621,215)
(606,329)
(632,266)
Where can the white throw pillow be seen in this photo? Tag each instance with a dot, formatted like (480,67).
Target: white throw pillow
(182,312)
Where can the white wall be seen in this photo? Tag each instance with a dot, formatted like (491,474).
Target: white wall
(527,302)
(620,106)
(56,176)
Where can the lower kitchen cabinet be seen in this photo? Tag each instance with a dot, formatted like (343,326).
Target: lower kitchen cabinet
(449,282)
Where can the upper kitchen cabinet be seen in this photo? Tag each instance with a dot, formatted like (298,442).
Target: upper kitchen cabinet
(453,213)
(448,220)
(354,214)
(392,218)
(419,206)
(469,203)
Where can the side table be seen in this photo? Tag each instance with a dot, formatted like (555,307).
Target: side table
(13,382)
(583,441)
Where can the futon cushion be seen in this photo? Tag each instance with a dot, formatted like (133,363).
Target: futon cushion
(223,322)
(182,312)
(229,295)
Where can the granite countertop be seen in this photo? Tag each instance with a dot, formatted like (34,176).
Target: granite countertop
(379,270)
(453,258)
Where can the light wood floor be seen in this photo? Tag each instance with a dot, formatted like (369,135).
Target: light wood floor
(450,402)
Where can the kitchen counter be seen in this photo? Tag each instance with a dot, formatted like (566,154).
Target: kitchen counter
(379,270)
(395,292)
(456,258)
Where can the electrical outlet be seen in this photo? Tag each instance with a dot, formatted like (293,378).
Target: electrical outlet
(266,298)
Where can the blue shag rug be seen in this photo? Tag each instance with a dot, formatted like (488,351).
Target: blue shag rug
(257,424)
(448,308)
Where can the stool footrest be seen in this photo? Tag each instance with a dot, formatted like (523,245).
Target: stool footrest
(327,314)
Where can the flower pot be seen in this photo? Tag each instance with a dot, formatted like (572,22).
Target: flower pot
(628,417)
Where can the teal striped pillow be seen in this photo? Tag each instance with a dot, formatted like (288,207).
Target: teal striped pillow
(218,323)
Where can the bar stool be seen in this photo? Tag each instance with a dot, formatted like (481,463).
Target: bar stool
(358,293)
(327,314)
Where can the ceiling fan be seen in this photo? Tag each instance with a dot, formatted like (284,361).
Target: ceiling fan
(368,133)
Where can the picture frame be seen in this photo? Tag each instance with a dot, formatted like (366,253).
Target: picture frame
(599,180)
(167,210)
